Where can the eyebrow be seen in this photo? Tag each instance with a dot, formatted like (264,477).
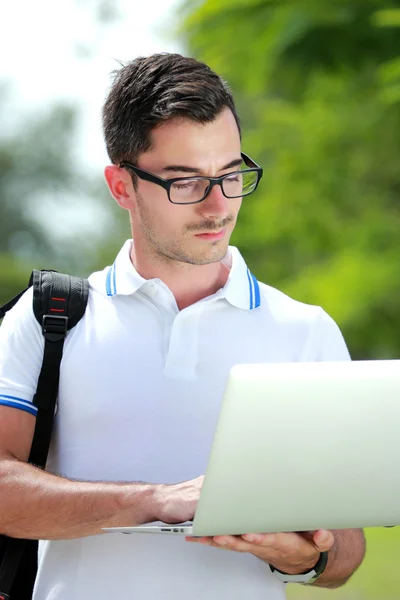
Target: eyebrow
(185,169)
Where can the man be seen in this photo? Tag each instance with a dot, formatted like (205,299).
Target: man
(143,373)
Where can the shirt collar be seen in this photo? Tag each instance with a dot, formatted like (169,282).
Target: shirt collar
(241,289)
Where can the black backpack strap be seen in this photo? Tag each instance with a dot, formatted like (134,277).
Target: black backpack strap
(59,302)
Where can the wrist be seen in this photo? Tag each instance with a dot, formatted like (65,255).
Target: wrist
(161,501)
(137,504)
(296,569)
(306,576)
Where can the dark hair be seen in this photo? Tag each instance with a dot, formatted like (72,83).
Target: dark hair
(148,91)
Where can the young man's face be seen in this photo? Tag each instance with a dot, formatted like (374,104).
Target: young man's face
(176,232)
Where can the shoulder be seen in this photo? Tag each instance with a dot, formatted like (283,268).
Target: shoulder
(21,353)
(98,280)
(323,338)
(284,308)
(20,317)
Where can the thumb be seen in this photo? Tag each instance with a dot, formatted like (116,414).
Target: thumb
(323,540)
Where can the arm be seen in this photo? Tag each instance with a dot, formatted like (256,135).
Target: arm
(344,558)
(38,505)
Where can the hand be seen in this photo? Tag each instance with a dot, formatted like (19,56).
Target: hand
(177,503)
(290,553)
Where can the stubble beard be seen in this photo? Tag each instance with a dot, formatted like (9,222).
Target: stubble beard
(214,253)
(174,250)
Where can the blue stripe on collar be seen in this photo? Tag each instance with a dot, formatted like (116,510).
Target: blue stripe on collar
(254,291)
(108,282)
(114,279)
(254,288)
(111,287)
(250,288)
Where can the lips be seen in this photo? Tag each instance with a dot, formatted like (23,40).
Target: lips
(212,236)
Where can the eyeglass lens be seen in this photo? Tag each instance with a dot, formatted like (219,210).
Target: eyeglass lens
(192,190)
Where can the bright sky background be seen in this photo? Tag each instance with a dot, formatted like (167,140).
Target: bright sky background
(38,54)
(57,49)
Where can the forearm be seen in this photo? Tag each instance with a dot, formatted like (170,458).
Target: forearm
(343,559)
(38,505)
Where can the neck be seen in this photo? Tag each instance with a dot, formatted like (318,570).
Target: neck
(188,283)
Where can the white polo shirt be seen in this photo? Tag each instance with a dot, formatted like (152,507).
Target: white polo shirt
(140,390)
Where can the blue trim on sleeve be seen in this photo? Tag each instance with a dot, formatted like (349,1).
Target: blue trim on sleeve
(256,291)
(249,276)
(18,403)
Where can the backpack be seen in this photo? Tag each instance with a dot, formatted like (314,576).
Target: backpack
(59,302)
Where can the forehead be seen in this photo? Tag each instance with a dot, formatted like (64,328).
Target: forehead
(182,141)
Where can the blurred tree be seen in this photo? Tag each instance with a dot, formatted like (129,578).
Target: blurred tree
(36,164)
(317,85)
(40,176)
(34,160)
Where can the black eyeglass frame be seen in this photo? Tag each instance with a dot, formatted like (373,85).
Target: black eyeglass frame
(167,183)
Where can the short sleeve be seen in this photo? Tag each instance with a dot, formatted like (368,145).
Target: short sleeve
(326,342)
(21,354)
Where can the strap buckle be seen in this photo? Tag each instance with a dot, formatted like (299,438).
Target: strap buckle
(54,328)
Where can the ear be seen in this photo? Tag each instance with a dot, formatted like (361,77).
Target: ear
(120,185)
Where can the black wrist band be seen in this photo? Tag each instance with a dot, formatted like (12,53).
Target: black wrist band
(306,577)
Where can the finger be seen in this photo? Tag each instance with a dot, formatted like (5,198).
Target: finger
(228,541)
(276,540)
(289,542)
(233,542)
(323,540)
(225,540)
(257,538)
(207,541)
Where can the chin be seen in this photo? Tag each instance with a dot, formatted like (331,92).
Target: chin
(215,254)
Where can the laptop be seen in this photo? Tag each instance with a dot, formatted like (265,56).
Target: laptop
(301,446)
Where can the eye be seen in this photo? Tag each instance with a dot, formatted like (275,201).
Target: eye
(235,177)
(184,185)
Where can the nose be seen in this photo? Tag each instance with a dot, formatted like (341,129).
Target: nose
(215,205)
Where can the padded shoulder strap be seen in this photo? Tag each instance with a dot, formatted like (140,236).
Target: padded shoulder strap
(57,294)
(59,302)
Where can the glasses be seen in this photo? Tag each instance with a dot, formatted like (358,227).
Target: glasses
(191,190)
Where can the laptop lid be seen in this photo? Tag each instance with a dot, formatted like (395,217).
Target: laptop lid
(303,446)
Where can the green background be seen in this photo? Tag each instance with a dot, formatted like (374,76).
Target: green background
(378,576)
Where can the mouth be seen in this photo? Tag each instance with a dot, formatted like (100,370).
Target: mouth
(212,236)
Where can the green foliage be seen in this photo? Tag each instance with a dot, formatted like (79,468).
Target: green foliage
(318,88)
(37,165)
(14,275)
(34,160)
(376,579)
